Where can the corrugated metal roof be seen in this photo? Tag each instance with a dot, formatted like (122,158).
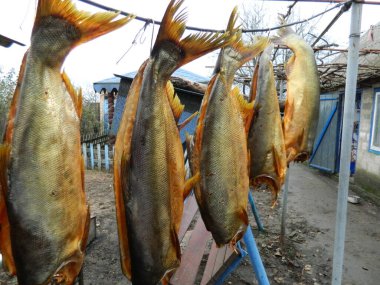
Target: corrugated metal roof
(178,73)
(108,84)
(7,41)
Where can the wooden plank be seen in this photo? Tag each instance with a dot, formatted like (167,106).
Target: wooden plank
(99,157)
(92,155)
(219,259)
(233,257)
(191,258)
(189,212)
(207,274)
(106,158)
(229,252)
(84,153)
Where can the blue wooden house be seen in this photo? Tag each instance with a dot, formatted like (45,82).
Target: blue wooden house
(113,92)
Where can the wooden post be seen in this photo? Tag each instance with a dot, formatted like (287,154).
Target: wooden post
(84,153)
(92,155)
(99,157)
(106,158)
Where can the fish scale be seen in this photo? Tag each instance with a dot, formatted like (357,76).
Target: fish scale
(224,181)
(44,188)
(219,148)
(149,172)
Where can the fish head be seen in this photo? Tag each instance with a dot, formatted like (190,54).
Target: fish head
(53,40)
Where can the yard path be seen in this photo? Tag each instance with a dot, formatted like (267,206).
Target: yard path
(313,195)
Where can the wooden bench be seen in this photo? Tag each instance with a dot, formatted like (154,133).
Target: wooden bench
(220,261)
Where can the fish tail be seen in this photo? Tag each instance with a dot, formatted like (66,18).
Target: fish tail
(283,32)
(193,46)
(90,26)
(248,52)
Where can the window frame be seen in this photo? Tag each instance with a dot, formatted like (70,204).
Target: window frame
(376,97)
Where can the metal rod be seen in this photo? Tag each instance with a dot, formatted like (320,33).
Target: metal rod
(255,212)
(345,154)
(342,10)
(284,208)
(255,258)
(154,22)
(233,265)
(330,1)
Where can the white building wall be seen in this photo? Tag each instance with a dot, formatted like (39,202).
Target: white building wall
(368,163)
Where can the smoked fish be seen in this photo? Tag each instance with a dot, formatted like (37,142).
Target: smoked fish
(302,96)
(149,173)
(219,148)
(41,166)
(266,139)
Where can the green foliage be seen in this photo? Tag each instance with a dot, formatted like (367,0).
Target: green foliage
(7,86)
(91,114)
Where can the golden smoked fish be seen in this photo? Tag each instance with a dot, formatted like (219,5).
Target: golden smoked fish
(41,167)
(219,152)
(266,138)
(149,174)
(302,97)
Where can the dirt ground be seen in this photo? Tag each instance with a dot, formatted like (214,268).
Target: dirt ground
(306,257)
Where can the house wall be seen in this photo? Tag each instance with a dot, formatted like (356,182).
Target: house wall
(368,163)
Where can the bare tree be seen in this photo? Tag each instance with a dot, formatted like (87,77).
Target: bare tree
(254,17)
(7,87)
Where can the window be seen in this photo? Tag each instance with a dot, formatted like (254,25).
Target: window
(375,125)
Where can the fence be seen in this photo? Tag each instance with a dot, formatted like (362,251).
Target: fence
(99,157)
(95,138)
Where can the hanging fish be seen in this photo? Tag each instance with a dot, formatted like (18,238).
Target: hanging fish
(149,173)
(41,167)
(266,138)
(219,151)
(302,96)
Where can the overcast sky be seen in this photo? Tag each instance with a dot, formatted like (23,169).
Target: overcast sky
(97,59)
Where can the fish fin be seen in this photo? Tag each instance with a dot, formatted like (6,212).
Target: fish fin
(245,108)
(187,120)
(290,64)
(82,170)
(193,46)
(120,181)
(270,181)
(202,114)
(189,144)
(174,101)
(283,32)
(76,95)
(280,168)
(302,155)
(165,280)
(189,148)
(89,25)
(244,216)
(289,110)
(190,184)
(86,230)
(249,160)
(5,239)
(8,133)
(248,52)
(175,240)
(253,91)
